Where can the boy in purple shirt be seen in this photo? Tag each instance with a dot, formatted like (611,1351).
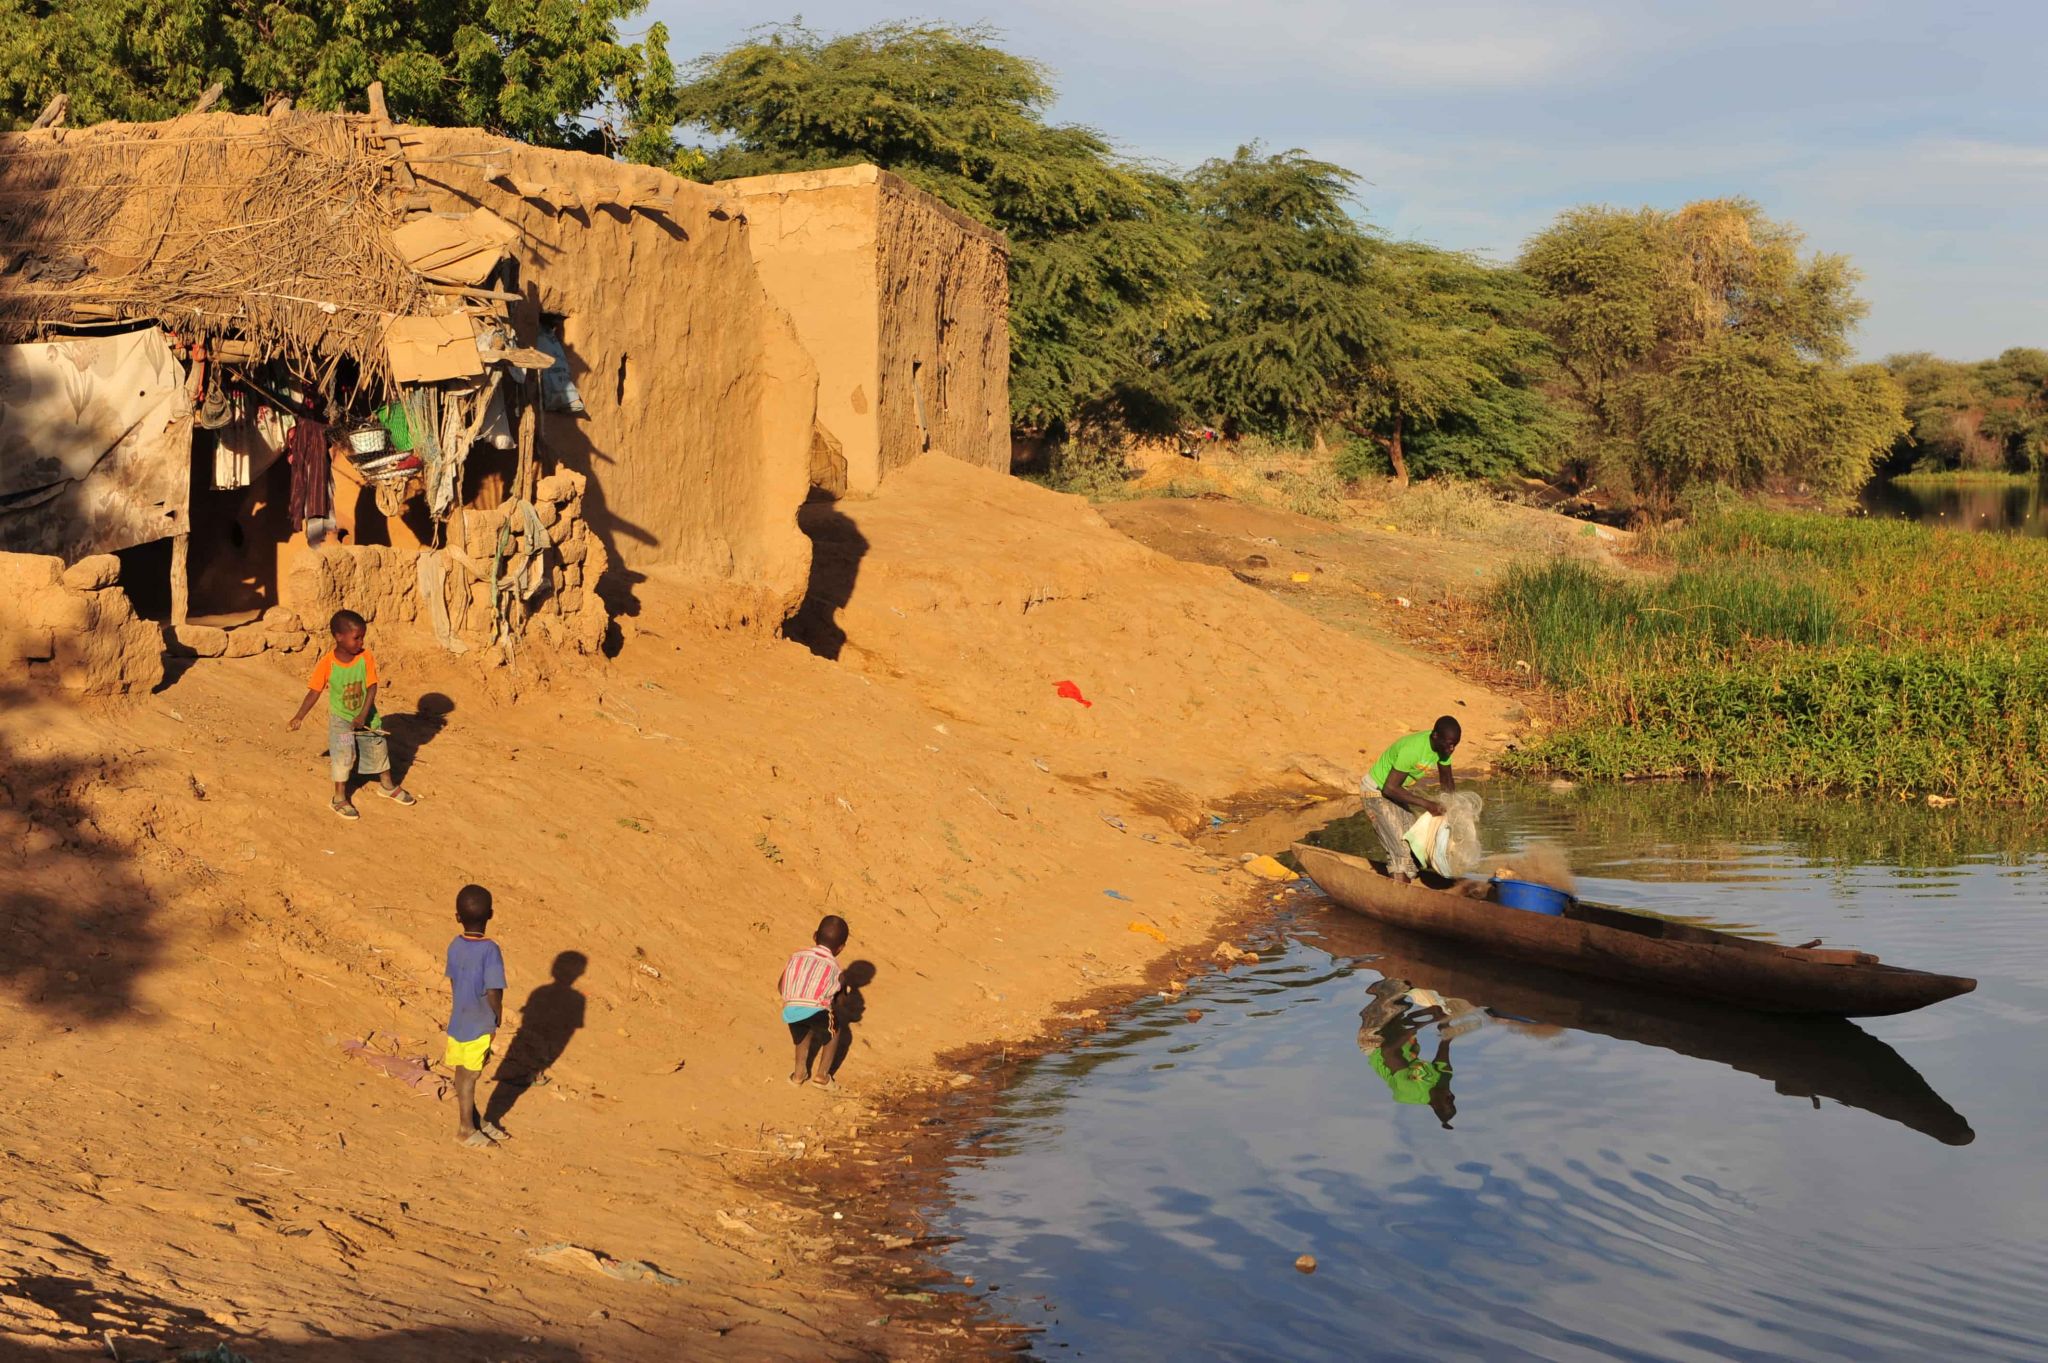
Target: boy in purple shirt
(476,979)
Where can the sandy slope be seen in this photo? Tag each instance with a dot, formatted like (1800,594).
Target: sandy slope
(192,1157)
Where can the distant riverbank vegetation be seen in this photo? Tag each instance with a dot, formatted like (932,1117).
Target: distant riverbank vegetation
(1981,422)
(1790,651)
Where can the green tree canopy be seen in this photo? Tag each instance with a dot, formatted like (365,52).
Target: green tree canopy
(1700,346)
(1287,325)
(1310,319)
(1099,245)
(530,69)
(1455,387)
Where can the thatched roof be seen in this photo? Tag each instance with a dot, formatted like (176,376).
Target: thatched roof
(276,230)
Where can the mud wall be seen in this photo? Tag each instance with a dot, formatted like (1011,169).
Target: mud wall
(813,240)
(551,566)
(698,398)
(74,628)
(944,286)
(903,306)
(814,244)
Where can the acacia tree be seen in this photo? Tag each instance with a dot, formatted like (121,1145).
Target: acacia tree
(1455,384)
(1701,347)
(1288,325)
(530,69)
(1099,244)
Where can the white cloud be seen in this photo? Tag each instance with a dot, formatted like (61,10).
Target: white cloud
(2017,158)
(1441,48)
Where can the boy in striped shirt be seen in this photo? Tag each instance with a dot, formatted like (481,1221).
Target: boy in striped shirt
(810,986)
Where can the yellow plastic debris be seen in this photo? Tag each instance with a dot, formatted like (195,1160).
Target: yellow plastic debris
(1304,577)
(1148,930)
(1266,868)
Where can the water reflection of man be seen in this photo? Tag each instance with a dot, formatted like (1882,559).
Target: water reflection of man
(1386,1033)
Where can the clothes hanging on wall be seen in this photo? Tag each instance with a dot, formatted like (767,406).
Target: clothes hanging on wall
(557,390)
(230,462)
(497,428)
(307,447)
(245,449)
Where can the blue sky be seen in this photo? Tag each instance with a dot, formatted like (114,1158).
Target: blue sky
(1912,137)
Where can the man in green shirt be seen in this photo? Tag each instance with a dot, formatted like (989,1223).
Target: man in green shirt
(1391,800)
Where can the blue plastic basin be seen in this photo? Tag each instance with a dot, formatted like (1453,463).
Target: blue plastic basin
(1525,894)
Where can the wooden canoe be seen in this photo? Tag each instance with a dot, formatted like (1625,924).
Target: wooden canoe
(1802,1057)
(1637,949)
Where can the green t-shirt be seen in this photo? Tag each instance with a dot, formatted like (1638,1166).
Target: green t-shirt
(347,686)
(1414,1081)
(1411,754)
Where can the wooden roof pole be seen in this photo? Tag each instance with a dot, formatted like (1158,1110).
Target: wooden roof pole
(381,112)
(53,113)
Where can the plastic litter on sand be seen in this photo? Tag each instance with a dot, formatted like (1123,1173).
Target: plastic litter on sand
(1267,868)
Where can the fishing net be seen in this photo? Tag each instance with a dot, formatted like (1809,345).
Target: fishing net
(1458,849)
(1448,846)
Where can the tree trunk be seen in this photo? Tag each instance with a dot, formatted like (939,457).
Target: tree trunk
(1394,454)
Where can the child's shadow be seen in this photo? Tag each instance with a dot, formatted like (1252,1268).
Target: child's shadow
(410,733)
(553,1013)
(850,1007)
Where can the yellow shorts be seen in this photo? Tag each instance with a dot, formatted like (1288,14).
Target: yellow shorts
(467,1055)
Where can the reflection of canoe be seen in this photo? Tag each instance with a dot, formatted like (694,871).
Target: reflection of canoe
(1637,949)
(1805,1057)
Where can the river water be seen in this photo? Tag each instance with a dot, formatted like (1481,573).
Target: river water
(2012,507)
(1595,1174)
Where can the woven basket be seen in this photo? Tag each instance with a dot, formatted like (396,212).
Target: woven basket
(369,438)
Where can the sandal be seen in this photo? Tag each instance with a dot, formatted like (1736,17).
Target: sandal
(494,1131)
(398,796)
(477,1140)
(345,809)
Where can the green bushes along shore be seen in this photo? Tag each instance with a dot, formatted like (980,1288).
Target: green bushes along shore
(1789,651)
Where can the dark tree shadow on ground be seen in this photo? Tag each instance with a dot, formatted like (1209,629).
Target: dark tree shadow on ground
(145,1328)
(410,733)
(422,1344)
(551,1015)
(837,547)
(77,926)
(850,1007)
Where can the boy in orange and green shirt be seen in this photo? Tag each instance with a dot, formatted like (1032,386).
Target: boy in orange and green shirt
(347,675)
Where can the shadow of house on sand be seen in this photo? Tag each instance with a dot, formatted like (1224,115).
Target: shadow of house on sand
(79,929)
(551,1015)
(837,547)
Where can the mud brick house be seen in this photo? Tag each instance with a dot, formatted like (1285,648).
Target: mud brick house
(902,303)
(258,367)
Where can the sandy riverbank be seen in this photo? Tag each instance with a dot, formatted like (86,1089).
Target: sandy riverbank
(194,1158)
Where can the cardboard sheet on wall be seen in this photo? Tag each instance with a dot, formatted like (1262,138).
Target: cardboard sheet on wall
(95,444)
(430,349)
(460,250)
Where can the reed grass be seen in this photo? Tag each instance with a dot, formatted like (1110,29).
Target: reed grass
(1798,652)
(1965,478)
